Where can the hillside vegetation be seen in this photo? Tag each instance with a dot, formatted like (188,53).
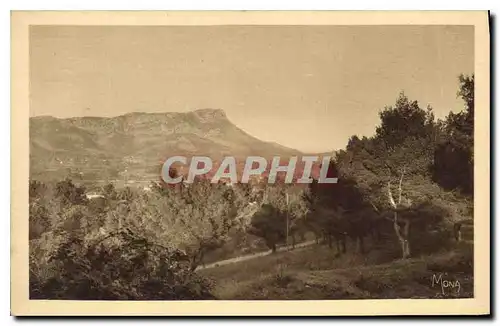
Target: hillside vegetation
(400,214)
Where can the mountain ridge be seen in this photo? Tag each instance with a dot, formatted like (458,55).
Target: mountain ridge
(136,143)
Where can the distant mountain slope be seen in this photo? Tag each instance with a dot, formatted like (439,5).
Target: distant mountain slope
(134,145)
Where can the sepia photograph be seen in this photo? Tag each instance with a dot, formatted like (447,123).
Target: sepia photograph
(219,159)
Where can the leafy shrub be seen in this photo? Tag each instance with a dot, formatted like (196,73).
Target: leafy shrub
(119,266)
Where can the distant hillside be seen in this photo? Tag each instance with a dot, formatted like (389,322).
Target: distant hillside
(133,146)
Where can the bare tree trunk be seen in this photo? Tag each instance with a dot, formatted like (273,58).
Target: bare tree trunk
(271,244)
(406,232)
(403,235)
(457,231)
(402,232)
(407,249)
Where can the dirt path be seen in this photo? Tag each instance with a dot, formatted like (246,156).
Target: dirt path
(252,256)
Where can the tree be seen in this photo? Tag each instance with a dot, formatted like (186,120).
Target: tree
(269,223)
(405,120)
(466,92)
(391,168)
(37,189)
(453,166)
(335,210)
(109,191)
(39,222)
(153,233)
(283,209)
(38,212)
(194,218)
(69,193)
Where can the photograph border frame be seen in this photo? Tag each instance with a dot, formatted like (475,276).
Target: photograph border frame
(21,305)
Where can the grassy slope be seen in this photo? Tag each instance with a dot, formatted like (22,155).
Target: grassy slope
(316,273)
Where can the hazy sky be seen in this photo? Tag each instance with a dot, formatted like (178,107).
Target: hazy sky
(306,87)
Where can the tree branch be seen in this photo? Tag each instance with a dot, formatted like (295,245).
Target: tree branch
(388,218)
(389,193)
(400,186)
(374,207)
